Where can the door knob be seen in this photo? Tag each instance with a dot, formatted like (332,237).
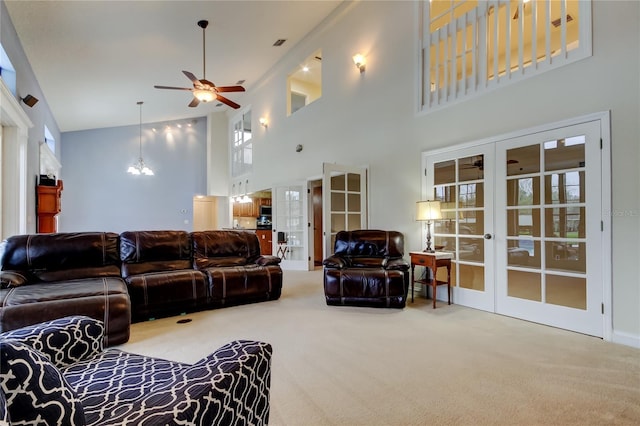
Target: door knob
(487,236)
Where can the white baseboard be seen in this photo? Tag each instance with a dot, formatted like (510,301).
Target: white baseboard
(627,339)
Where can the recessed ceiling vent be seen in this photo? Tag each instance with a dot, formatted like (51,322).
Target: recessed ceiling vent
(556,23)
(280,42)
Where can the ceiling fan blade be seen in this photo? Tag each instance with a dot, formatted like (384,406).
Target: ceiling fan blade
(191,77)
(229,89)
(227,101)
(194,102)
(173,88)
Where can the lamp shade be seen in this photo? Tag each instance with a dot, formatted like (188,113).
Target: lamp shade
(428,210)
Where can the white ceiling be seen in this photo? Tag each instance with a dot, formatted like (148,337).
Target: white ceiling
(94,60)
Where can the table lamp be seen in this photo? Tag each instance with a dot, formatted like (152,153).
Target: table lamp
(427,211)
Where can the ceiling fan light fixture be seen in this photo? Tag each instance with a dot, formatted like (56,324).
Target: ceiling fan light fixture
(204,95)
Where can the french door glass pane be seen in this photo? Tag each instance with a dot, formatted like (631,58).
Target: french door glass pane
(566,291)
(523,160)
(564,153)
(523,222)
(471,277)
(524,285)
(471,168)
(444,172)
(523,191)
(353,182)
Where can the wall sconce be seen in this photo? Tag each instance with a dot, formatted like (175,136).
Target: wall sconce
(30,101)
(360,62)
(264,122)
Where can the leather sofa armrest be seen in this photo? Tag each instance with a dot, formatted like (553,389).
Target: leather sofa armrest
(64,341)
(397,264)
(267,260)
(11,279)
(335,262)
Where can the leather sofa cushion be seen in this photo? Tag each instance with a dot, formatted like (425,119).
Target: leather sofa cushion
(224,248)
(105,299)
(369,243)
(166,292)
(52,257)
(142,252)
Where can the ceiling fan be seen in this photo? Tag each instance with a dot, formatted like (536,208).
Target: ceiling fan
(204,90)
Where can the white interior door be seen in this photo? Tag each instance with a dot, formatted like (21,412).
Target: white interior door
(462,181)
(548,207)
(344,201)
(290,230)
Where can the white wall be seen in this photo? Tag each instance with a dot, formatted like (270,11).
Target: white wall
(369,119)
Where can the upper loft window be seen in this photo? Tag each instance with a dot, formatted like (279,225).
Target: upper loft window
(242,146)
(471,46)
(7,71)
(304,84)
(49,139)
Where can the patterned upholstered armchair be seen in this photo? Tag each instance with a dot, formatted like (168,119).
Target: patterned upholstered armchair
(58,373)
(367,269)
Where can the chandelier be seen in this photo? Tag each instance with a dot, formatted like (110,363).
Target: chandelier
(139,168)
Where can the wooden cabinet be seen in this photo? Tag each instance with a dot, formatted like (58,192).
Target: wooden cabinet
(251,209)
(48,201)
(265,238)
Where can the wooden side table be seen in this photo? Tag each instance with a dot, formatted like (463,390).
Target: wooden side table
(432,261)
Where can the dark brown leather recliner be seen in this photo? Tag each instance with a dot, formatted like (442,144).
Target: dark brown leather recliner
(48,276)
(235,270)
(367,269)
(157,268)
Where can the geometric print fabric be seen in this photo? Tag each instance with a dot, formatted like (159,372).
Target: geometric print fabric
(230,386)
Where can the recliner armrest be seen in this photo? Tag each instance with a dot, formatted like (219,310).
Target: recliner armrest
(64,340)
(266,260)
(11,279)
(397,264)
(335,262)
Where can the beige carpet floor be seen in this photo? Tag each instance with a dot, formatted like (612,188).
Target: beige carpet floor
(416,366)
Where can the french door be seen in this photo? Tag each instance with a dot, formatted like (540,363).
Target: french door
(344,201)
(550,214)
(462,181)
(290,239)
(523,218)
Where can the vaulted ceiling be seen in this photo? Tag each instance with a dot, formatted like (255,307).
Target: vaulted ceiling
(94,60)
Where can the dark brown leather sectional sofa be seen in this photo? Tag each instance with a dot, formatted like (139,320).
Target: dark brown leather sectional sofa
(133,276)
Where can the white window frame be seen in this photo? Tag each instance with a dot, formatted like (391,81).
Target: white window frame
(241,142)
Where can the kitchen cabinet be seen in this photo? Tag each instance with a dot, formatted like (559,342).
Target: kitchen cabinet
(251,209)
(266,239)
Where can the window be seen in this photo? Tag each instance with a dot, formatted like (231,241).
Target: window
(49,140)
(7,71)
(304,84)
(471,46)
(242,148)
